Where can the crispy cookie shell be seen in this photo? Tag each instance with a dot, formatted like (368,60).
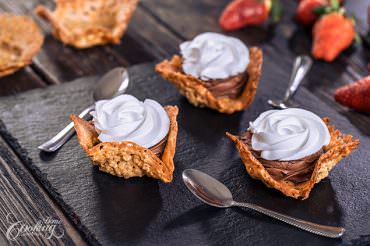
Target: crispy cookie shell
(339,147)
(127,159)
(86,23)
(20,41)
(197,94)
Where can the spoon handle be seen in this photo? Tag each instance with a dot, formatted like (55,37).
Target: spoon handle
(302,65)
(322,230)
(64,135)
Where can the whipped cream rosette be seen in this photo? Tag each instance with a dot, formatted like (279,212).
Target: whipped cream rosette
(125,118)
(215,71)
(288,135)
(292,149)
(130,138)
(214,56)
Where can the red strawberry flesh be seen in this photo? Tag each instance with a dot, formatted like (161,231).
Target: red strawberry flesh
(355,95)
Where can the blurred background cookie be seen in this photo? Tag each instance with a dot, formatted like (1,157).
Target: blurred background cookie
(84,24)
(20,41)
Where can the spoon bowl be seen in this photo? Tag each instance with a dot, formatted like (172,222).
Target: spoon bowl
(214,193)
(112,84)
(207,189)
(279,104)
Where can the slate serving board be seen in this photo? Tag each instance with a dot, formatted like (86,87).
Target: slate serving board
(143,211)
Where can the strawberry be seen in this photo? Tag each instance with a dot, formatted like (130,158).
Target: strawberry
(340,1)
(306,11)
(355,95)
(240,13)
(332,34)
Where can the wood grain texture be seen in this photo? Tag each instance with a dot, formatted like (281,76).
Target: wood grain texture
(111,211)
(58,63)
(23,80)
(22,199)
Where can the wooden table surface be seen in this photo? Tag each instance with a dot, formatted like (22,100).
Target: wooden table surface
(155,32)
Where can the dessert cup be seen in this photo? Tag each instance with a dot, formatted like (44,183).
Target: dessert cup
(86,23)
(197,90)
(20,41)
(127,159)
(340,146)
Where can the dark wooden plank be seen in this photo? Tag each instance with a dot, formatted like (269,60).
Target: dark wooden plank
(155,38)
(22,199)
(140,211)
(22,80)
(57,62)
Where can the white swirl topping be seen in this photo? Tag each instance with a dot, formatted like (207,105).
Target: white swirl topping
(214,56)
(289,134)
(125,118)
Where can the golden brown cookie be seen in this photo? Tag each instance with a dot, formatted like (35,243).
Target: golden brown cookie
(20,41)
(339,147)
(127,159)
(86,23)
(195,91)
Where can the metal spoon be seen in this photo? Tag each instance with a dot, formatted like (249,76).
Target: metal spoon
(302,65)
(211,191)
(112,84)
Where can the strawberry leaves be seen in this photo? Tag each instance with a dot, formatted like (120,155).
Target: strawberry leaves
(276,10)
(334,6)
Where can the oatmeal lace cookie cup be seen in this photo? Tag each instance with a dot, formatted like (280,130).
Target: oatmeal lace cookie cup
(20,41)
(213,85)
(86,23)
(295,178)
(129,159)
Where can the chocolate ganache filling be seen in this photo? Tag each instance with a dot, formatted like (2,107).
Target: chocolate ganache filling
(231,87)
(296,171)
(159,147)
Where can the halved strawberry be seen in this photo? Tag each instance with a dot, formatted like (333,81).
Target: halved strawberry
(355,95)
(240,13)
